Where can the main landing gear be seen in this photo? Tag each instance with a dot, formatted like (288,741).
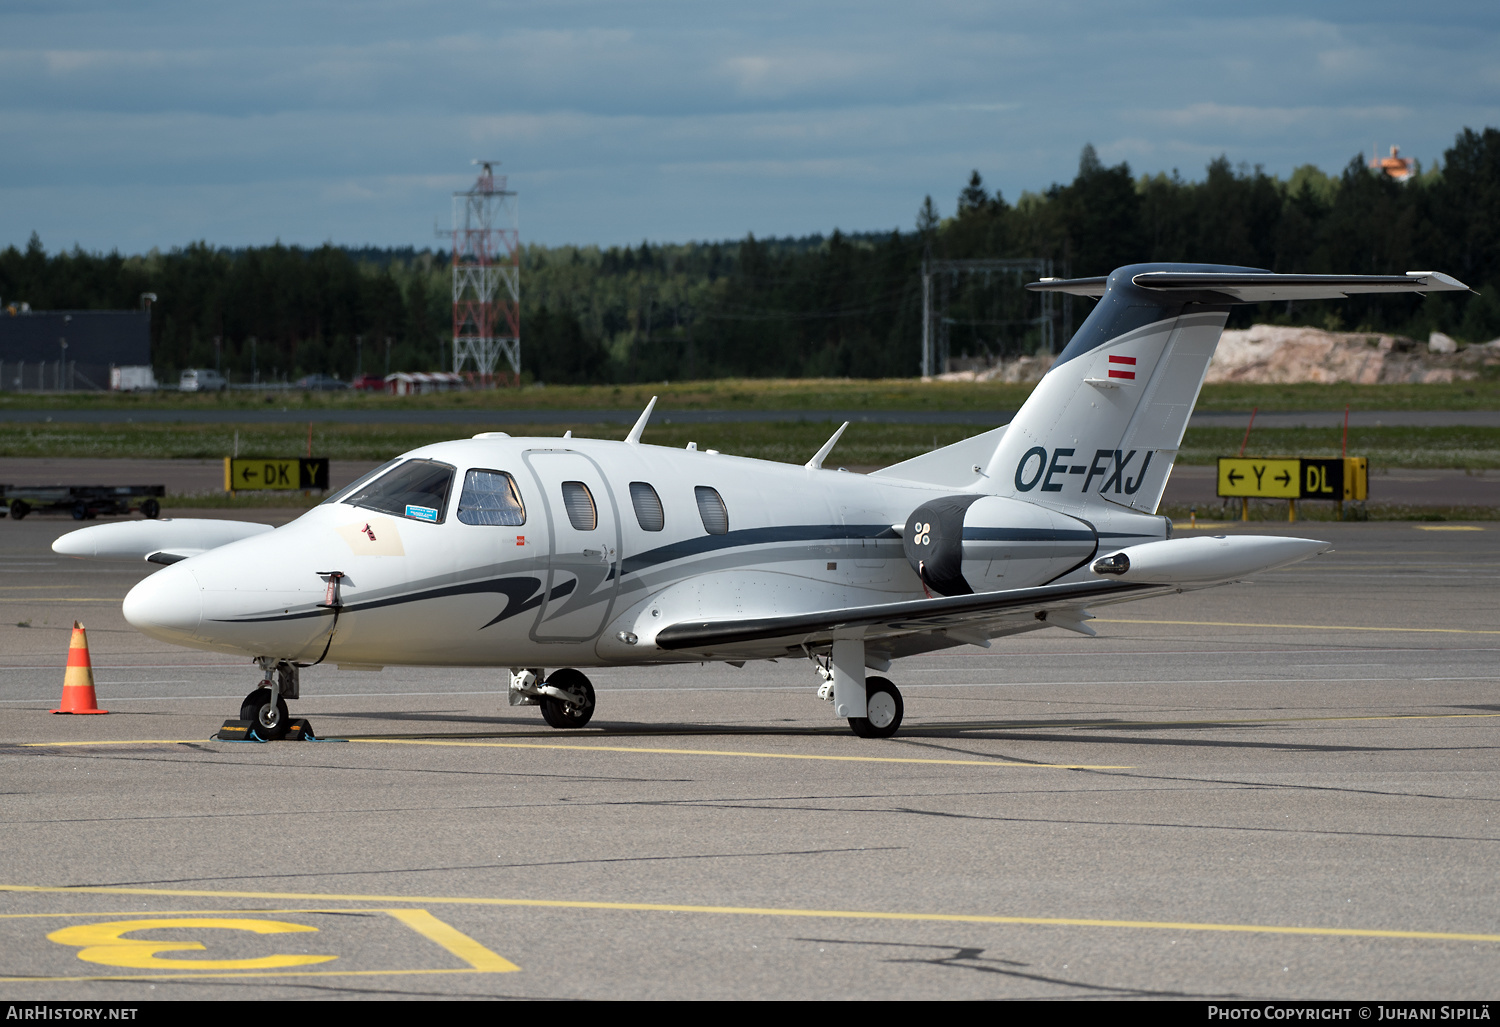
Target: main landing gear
(872,705)
(565,696)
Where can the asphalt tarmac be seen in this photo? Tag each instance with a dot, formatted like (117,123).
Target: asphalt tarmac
(1282,789)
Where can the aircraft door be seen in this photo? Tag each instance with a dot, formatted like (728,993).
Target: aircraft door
(584,545)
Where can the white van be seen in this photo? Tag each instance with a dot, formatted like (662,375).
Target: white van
(202,379)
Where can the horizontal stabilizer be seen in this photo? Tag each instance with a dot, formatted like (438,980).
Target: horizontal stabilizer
(1261,286)
(168,540)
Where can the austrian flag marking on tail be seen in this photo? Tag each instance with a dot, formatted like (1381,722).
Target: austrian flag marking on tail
(1122,372)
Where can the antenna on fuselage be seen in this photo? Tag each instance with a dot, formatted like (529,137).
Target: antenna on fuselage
(634,438)
(817,461)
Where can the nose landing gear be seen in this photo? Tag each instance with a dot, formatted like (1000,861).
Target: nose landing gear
(263,713)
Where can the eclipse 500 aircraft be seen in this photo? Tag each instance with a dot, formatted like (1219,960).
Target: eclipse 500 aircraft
(533,553)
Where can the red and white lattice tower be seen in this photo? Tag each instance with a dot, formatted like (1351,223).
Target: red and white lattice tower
(486,275)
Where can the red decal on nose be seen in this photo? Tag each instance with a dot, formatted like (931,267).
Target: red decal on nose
(1113,359)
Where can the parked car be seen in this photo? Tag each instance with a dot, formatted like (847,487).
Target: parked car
(321,383)
(202,379)
(369,383)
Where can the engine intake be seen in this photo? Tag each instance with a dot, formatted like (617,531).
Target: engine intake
(959,545)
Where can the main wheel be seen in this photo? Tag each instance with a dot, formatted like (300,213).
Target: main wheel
(151,509)
(883,710)
(19,508)
(569,714)
(270,720)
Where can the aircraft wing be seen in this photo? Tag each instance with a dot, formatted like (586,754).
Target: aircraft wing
(970,618)
(165,541)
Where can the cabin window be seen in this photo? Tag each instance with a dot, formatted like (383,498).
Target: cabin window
(361,480)
(711,509)
(418,489)
(579,503)
(490,497)
(647,503)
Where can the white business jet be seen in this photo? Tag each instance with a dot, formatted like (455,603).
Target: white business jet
(533,553)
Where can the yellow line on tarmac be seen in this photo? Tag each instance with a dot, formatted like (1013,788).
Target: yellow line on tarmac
(735,752)
(455,941)
(1447,527)
(772,911)
(123,741)
(1293,627)
(259,973)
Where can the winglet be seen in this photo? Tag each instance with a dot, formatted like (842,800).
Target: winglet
(634,438)
(822,454)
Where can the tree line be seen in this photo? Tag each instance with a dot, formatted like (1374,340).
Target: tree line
(841,305)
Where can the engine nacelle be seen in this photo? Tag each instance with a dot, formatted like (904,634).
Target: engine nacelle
(959,545)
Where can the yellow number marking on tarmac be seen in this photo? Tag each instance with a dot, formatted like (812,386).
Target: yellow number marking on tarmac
(1293,627)
(773,911)
(105,943)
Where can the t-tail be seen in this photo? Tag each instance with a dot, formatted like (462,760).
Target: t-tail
(1104,425)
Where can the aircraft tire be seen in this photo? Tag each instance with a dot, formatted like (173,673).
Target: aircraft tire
(151,509)
(883,703)
(270,722)
(565,714)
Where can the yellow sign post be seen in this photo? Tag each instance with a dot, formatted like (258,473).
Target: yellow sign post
(282,474)
(1293,478)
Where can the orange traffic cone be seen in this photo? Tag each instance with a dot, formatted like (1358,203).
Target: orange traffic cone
(78,683)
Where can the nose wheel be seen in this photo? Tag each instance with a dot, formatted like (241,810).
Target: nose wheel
(270,716)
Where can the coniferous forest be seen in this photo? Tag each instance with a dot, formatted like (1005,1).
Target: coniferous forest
(842,305)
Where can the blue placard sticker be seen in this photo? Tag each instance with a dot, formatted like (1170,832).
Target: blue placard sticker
(422,513)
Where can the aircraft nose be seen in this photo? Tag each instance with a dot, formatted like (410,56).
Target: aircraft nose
(168,605)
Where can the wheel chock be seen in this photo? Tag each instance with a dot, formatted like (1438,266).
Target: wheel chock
(238,731)
(297,730)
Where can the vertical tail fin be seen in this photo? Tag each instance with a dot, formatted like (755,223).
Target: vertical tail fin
(1105,423)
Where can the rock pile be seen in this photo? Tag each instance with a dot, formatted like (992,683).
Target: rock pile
(1278,355)
(1281,355)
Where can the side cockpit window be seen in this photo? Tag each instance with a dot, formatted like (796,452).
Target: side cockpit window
(418,489)
(579,502)
(490,497)
(711,509)
(647,503)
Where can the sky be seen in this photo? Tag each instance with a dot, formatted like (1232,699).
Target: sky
(158,123)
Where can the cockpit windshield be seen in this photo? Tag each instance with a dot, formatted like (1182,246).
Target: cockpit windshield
(417,489)
(361,480)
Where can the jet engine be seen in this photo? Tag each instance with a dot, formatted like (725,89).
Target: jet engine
(959,545)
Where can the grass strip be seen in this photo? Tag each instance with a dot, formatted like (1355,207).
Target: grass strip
(863,445)
(770,394)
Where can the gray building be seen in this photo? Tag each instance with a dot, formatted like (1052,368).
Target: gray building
(33,354)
